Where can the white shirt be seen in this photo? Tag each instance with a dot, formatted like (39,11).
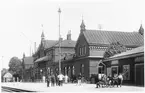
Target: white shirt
(60,77)
(43,77)
(66,78)
(120,76)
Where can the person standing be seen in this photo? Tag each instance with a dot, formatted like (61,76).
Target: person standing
(115,80)
(79,79)
(43,79)
(66,79)
(52,80)
(120,79)
(48,80)
(60,78)
(56,80)
(109,80)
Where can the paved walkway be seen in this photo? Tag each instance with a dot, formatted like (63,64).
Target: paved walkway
(41,87)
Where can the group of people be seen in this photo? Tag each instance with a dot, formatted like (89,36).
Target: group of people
(57,80)
(101,80)
(106,81)
(116,80)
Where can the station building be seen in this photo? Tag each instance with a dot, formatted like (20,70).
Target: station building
(91,46)
(84,55)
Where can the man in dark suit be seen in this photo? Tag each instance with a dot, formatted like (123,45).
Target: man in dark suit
(48,80)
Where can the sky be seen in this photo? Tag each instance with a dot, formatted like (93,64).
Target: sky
(21,20)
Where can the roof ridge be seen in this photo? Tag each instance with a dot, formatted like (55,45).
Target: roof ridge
(108,31)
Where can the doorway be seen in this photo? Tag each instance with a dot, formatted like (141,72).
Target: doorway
(139,74)
(114,70)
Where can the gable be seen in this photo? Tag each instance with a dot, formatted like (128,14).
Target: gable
(81,39)
(81,43)
(43,46)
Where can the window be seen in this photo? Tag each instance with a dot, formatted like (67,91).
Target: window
(69,71)
(73,70)
(82,50)
(65,70)
(114,70)
(82,69)
(126,72)
(100,70)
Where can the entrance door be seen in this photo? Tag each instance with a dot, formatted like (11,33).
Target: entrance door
(139,74)
(114,70)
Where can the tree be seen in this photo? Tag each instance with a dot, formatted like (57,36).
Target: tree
(3,72)
(114,48)
(15,65)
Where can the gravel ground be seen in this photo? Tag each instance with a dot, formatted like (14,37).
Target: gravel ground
(41,87)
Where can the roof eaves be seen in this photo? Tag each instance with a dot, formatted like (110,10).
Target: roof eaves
(124,56)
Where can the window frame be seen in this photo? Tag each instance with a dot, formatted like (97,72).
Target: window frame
(128,66)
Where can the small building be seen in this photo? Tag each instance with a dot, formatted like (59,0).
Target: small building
(8,77)
(130,63)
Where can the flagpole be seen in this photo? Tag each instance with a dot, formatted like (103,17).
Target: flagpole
(59,11)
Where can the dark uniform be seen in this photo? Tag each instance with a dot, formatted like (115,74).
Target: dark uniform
(48,80)
(53,80)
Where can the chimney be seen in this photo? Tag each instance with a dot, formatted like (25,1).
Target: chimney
(69,35)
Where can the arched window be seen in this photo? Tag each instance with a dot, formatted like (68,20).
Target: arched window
(73,70)
(65,70)
(69,71)
(82,69)
(85,50)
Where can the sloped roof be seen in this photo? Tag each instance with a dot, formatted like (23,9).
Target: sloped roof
(49,43)
(45,58)
(8,75)
(107,37)
(129,52)
(28,60)
(67,43)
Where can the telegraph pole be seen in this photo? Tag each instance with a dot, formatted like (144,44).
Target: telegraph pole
(59,11)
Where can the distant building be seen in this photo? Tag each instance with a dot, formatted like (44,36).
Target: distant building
(47,56)
(28,64)
(7,77)
(3,72)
